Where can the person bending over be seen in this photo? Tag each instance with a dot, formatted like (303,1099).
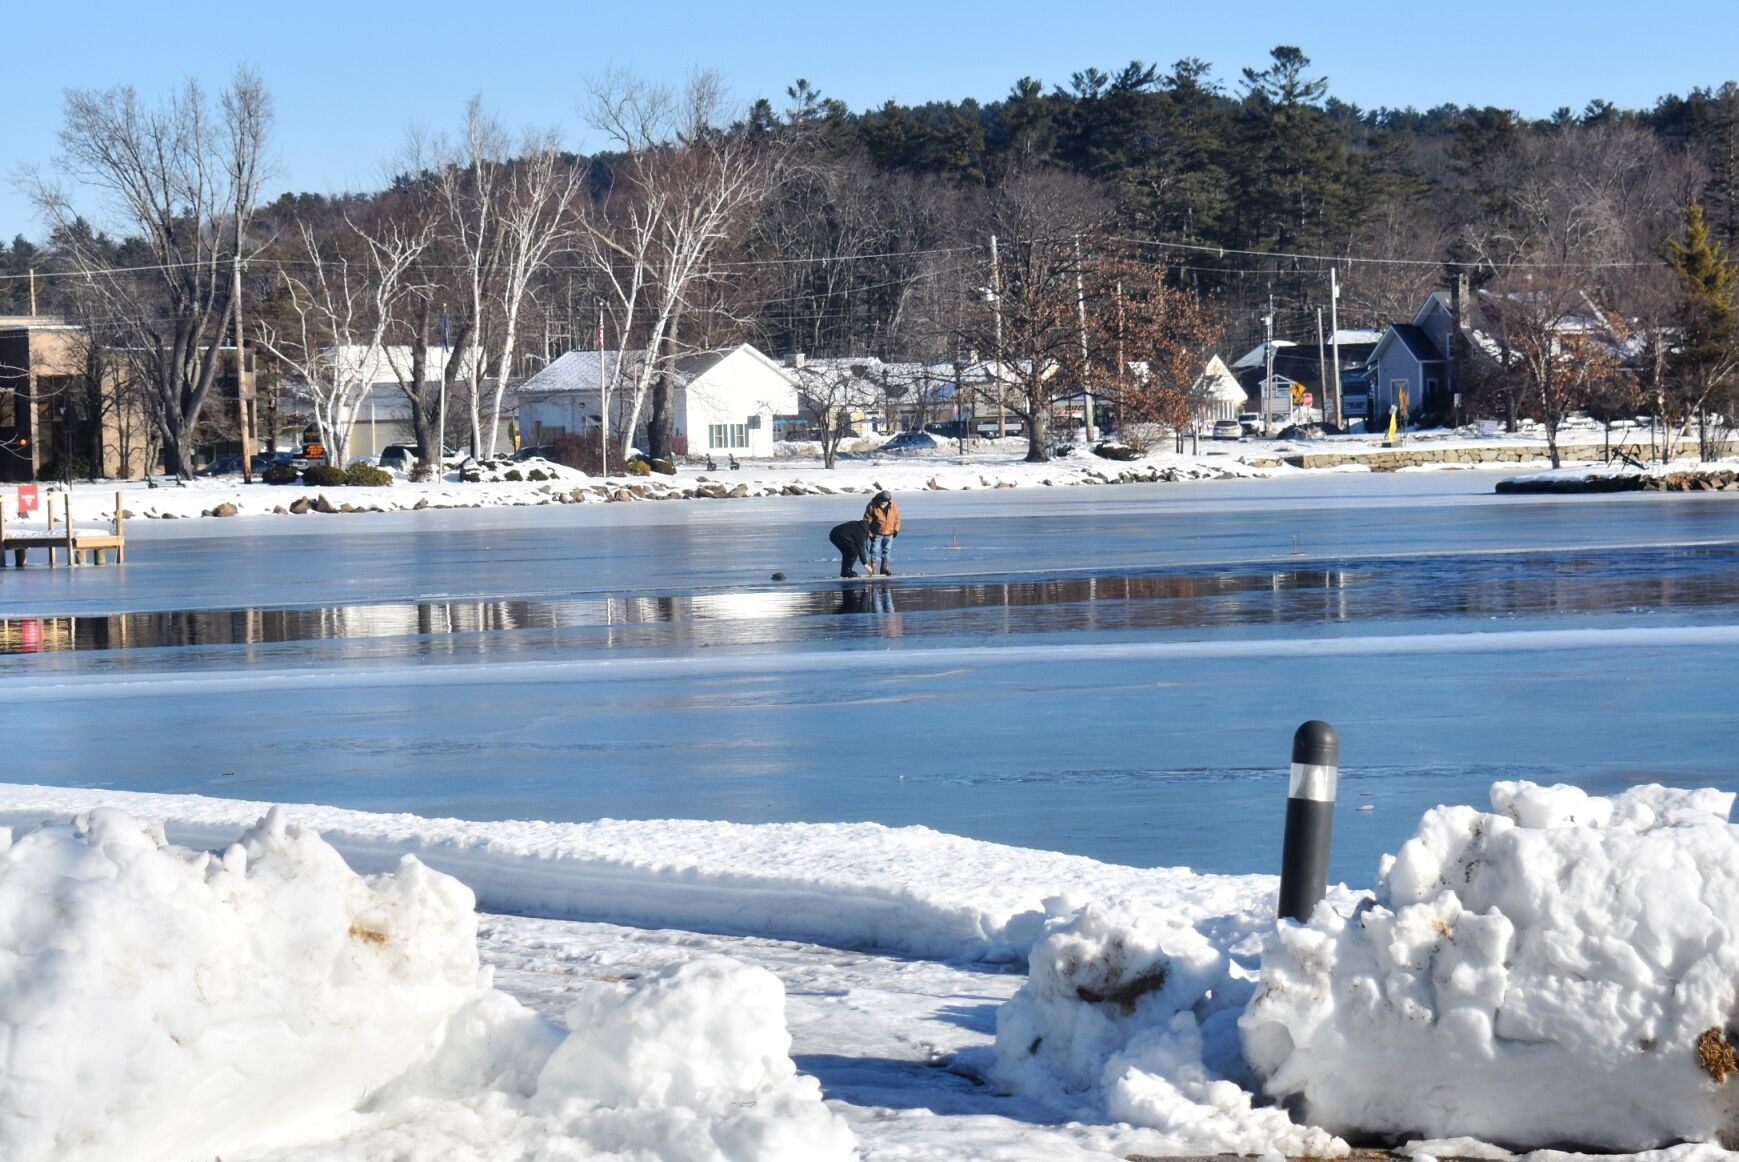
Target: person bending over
(882,517)
(852,539)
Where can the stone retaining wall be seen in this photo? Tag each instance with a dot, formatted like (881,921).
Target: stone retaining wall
(1389,459)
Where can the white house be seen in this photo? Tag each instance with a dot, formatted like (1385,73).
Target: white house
(1218,395)
(726,402)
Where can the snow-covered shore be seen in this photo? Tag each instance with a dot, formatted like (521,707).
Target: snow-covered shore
(989,465)
(1507,965)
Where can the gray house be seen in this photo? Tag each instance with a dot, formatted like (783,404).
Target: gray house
(1409,369)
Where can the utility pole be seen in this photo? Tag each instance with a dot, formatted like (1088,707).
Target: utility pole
(996,302)
(1081,316)
(1268,371)
(33,292)
(1334,340)
(1322,361)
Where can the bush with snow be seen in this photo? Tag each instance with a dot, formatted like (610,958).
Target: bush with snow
(1125,1013)
(1563,969)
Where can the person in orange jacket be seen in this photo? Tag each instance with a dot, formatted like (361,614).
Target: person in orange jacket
(883,518)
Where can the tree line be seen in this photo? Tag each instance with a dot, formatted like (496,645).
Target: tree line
(1106,233)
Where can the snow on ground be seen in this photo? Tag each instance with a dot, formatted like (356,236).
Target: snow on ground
(1559,969)
(903,889)
(988,464)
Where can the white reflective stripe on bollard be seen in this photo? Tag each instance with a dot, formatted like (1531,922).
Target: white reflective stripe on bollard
(1313,781)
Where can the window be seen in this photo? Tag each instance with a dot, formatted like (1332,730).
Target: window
(727,436)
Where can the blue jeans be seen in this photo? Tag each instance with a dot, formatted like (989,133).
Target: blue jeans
(886,540)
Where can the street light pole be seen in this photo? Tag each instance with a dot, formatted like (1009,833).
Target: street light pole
(1334,340)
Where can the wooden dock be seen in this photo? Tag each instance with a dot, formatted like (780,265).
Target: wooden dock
(74,542)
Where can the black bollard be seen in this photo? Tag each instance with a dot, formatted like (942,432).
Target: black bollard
(1309,819)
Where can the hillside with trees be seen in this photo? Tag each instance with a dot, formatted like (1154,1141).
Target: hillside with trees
(1065,232)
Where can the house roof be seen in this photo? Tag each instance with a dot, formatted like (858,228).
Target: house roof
(1219,384)
(1417,342)
(1257,356)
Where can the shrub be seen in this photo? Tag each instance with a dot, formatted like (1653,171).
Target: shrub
(662,467)
(1115,452)
(280,474)
(570,450)
(324,475)
(538,474)
(639,468)
(514,475)
(470,476)
(422,470)
(362,474)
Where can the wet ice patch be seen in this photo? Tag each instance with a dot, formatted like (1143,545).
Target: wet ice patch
(1561,969)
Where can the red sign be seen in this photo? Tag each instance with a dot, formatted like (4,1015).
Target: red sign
(1309,399)
(26,499)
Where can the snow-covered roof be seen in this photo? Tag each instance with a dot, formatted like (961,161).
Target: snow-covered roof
(581,371)
(1356,336)
(1258,355)
(385,364)
(1219,384)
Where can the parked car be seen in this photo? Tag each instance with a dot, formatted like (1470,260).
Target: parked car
(232,465)
(1228,430)
(399,457)
(536,452)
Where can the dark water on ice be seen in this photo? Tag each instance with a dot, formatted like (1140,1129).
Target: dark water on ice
(1114,672)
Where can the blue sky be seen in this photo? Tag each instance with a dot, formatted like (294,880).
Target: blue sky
(347,79)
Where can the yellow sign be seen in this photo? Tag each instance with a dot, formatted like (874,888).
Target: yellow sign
(1297,394)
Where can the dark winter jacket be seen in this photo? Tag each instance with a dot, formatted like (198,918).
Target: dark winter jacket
(852,540)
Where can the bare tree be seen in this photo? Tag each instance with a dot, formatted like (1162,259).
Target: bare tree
(469,180)
(1029,320)
(340,312)
(535,216)
(182,183)
(831,394)
(1563,351)
(681,188)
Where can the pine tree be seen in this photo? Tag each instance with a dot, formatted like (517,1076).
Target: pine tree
(1705,367)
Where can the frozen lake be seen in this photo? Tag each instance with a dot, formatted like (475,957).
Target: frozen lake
(1111,671)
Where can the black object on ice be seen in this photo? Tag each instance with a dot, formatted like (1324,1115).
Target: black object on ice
(1309,819)
(778,576)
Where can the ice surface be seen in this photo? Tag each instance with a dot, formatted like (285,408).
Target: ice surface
(1560,969)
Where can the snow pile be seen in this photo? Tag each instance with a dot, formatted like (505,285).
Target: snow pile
(162,1003)
(1562,970)
(689,1064)
(849,885)
(1125,1011)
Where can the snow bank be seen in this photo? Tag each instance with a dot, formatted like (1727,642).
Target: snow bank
(162,1003)
(851,885)
(1564,969)
(1132,1011)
